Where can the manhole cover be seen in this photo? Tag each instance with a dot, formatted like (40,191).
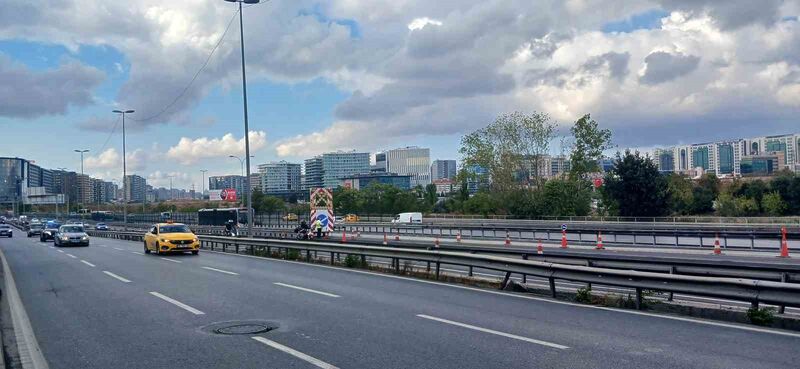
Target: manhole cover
(240,327)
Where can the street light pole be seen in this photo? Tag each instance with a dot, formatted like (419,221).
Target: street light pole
(203,184)
(241,162)
(80,185)
(246,126)
(124,170)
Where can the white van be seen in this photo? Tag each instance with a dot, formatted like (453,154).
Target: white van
(408,218)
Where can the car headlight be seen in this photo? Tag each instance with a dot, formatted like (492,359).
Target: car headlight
(163,240)
(85,238)
(64,238)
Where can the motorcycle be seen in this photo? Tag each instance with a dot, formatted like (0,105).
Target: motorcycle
(302,233)
(232,232)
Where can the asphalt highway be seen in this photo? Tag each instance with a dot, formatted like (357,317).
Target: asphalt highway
(111,306)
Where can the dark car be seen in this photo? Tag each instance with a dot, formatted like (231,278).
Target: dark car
(101,227)
(50,229)
(6,231)
(35,229)
(71,234)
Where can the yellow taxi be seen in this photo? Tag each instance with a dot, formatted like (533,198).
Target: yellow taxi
(351,218)
(169,237)
(291,217)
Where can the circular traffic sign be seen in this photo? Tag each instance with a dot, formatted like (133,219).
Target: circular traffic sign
(563,227)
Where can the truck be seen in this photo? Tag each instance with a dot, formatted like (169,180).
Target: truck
(408,218)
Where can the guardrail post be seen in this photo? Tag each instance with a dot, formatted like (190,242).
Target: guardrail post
(237,248)
(638,299)
(438,266)
(552,286)
(524,276)
(333,261)
(752,240)
(676,239)
(396,262)
(754,305)
(428,267)
(784,279)
(671,271)
(724,241)
(363,260)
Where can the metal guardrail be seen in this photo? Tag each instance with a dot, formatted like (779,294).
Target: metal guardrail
(748,290)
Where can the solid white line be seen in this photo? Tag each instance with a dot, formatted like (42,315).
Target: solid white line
(88,263)
(30,355)
(520,296)
(178,303)
(486,330)
(311,360)
(61,251)
(174,261)
(116,277)
(117,248)
(220,270)
(306,289)
(72,256)
(137,253)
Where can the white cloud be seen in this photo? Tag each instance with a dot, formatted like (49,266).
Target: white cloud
(136,160)
(162,179)
(420,23)
(190,151)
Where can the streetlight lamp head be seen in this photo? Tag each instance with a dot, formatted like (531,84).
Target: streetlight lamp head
(129,111)
(117,111)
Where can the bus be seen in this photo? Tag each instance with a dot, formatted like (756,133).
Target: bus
(218,217)
(102,216)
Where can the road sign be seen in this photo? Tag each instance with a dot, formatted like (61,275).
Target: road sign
(563,228)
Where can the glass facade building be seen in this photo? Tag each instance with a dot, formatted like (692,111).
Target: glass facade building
(11,180)
(725,159)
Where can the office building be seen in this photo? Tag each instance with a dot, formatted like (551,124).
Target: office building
(86,188)
(256,182)
(314,173)
(441,169)
(135,188)
(413,161)
(559,165)
(104,192)
(787,145)
(22,181)
(361,181)
(328,169)
(762,165)
(280,177)
(444,186)
(225,182)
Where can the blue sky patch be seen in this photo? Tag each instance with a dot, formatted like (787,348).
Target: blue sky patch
(650,19)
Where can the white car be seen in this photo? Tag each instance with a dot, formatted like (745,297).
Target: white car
(6,231)
(408,218)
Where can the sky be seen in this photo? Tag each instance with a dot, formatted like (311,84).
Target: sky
(371,75)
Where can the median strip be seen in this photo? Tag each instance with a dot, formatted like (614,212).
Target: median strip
(178,303)
(490,331)
(112,275)
(220,270)
(305,289)
(88,263)
(309,359)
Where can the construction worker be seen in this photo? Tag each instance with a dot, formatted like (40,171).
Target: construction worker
(317,226)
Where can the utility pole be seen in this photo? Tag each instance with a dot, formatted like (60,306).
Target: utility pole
(203,184)
(80,182)
(124,170)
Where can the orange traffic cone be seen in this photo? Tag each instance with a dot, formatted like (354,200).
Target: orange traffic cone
(344,235)
(599,242)
(539,248)
(717,249)
(784,244)
(508,240)
(563,239)
(397,236)
(458,237)
(385,239)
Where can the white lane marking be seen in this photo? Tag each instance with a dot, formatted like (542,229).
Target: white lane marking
(116,277)
(220,270)
(61,251)
(174,261)
(305,289)
(137,253)
(117,248)
(177,303)
(309,359)
(52,247)
(72,256)
(102,245)
(491,331)
(30,354)
(88,263)
(520,296)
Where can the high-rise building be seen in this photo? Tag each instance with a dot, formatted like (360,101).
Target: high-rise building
(788,145)
(135,188)
(104,192)
(279,177)
(442,169)
(314,173)
(225,182)
(85,189)
(328,169)
(256,182)
(413,161)
(361,181)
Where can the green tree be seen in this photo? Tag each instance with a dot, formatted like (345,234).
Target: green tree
(590,142)
(773,204)
(431,196)
(267,204)
(481,204)
(787,184)
(704,193)
(567,197)
(347,200)
(510,148)
(680,194)
(636,186)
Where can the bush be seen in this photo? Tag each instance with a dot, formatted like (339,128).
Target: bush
(763,316)
(292,254)
(584,295)
(773,204)
(353,261)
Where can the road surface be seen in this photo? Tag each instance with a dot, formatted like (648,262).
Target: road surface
(111,306)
